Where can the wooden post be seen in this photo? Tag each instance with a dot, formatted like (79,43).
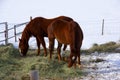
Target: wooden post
(103,27)
(15,33)
(30,18)
(6,33)
(34,75)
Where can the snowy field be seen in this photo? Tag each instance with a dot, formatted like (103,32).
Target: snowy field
(109,69)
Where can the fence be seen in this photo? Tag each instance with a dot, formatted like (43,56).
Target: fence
(15,31)
(101,27)
(6,31)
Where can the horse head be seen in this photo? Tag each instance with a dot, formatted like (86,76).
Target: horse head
(23,47)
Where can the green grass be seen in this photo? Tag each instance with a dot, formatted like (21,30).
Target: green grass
(14,67)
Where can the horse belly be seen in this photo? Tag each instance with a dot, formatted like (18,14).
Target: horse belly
(62,39)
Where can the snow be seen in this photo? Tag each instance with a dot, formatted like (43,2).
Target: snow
(105,70)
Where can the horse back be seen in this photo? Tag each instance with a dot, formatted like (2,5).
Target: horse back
(61,30)
(38,26)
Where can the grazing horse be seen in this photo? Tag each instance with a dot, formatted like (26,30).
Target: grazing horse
(66,33)
(37,27)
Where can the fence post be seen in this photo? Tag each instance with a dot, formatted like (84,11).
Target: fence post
(6,33)
(34,75)
(103,27)
(15,33)
(30,18)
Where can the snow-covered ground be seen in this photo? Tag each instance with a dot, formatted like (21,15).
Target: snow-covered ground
(109,69)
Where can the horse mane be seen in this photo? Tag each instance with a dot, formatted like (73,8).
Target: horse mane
(26,32)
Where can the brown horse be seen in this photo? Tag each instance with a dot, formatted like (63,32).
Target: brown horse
(66,33)
(37,28)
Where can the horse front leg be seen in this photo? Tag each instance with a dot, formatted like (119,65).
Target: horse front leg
(79,53)
(73,57)
(59,51)
(72,60)
(38,44)
(44,46)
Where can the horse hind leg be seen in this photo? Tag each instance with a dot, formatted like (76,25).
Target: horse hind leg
(59,51)
(51,46)
(44,46)
(38,44)
(79,53)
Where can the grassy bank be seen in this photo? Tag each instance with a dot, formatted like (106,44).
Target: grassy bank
(14,67)
(107,47)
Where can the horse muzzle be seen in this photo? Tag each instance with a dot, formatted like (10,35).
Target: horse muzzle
(21,54)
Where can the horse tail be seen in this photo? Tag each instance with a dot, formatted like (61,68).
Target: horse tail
(73,36)
(77,34)
(79,30)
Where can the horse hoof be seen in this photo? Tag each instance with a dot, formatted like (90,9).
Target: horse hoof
(79,66)
(70,65)
(45,55)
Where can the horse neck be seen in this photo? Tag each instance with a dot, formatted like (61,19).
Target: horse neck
(26,35)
